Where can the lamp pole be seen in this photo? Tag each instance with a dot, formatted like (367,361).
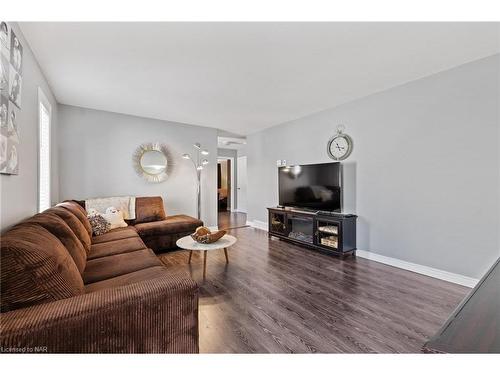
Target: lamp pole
(198,164)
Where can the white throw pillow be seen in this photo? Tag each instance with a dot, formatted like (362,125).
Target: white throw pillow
(115,218)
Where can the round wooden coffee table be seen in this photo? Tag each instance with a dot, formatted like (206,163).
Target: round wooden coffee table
(188,243)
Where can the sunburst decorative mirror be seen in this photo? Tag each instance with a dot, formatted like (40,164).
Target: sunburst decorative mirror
(151,161)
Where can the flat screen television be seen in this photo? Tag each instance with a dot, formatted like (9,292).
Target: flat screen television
(311,186)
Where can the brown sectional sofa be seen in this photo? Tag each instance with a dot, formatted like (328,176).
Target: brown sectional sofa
(63,290)
(159,231)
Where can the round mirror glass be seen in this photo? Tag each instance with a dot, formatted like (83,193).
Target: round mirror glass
(153,162)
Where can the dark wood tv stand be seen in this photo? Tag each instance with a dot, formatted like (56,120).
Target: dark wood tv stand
(333,233)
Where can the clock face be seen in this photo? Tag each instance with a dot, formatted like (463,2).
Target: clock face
(339,147)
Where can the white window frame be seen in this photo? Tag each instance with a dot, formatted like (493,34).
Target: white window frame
(43,101)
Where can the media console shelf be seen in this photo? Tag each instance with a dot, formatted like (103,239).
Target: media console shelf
(333,233)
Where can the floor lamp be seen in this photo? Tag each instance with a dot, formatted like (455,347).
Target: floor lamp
(198,164)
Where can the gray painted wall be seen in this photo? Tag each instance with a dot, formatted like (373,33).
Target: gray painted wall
(226,152)
(19,194)
(96,148)
(424,174)
(242,151)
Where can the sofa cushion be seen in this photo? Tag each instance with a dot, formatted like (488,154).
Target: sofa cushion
(115,234)
(116,265)
(127,279)
(124,245)
(36,268)
(79,212)
(163,243)
(170,225)
(149,209)
(74,223)
(58,227)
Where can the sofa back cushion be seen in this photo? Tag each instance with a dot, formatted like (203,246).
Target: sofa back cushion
(36,268)
(58,227)
(149,209)
(79,212)
(75,224)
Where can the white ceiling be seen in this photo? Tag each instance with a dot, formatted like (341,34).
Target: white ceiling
(243,77)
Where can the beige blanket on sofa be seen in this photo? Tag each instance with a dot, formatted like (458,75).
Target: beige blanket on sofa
(124,204)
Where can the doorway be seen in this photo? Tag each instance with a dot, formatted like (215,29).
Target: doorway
(225,184)
(228,193)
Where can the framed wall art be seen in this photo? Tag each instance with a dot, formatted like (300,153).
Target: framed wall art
(11,80)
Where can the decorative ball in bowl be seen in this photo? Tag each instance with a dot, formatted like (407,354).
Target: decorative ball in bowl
(204,235)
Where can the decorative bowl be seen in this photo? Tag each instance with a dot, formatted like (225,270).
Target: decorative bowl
(205,236)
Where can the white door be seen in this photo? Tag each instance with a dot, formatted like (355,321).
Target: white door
(241,176)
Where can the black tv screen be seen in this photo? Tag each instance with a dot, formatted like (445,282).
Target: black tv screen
(312,186)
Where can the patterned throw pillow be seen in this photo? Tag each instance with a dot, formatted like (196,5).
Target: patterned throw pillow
(99,224)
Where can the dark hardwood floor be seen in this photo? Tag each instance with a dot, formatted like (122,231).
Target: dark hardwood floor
(474,327)
(227,219)
(276,297)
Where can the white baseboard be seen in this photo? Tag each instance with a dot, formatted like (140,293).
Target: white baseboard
(258,224)
(418,268)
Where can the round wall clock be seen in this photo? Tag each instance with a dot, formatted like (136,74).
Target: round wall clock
(339,147)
